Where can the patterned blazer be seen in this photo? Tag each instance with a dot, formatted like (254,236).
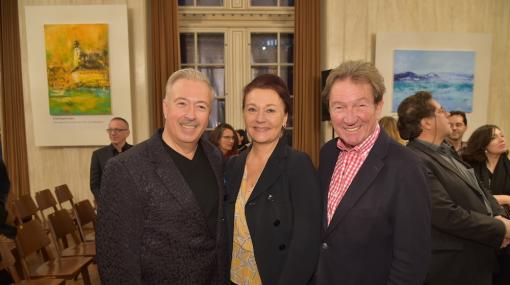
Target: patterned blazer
(150,228)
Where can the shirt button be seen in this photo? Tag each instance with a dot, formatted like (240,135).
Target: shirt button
(281,247)
(276,223)
(324,246)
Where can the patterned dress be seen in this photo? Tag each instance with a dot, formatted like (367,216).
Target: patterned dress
(243,270)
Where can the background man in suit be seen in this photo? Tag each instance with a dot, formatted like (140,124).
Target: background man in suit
(458,124)
(160,215)
(376,226)
(466,226)
(118,131)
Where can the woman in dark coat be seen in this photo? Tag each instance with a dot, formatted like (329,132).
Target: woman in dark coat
(487,152)
(273,205)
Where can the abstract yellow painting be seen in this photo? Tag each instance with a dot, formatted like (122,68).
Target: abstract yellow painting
(78,69)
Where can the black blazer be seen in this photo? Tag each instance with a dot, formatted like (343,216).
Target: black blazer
(464,236)
(380,232)
(282,213)
(150,228)
(97,164)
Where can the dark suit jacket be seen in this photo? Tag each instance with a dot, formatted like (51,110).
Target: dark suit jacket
(97,164)
(380,232)
(150,228)
(283,215)
(464,236)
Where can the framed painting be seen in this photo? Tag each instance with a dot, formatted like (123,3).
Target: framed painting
(455,68)
(78,63)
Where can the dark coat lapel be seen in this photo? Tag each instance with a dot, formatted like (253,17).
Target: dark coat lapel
(363,179)
(237,173)
(272,170)
(437,157)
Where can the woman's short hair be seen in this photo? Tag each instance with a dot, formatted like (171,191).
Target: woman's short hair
(271,82)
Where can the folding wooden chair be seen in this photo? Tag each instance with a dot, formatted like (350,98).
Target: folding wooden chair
(45,201)
(31,238)
(86,215)
(8,261)
(25,209)
(64,195)
(63,226)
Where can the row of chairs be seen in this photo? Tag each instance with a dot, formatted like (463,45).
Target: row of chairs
(62,223)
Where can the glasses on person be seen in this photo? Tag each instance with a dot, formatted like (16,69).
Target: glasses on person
(110,131)
(441,110)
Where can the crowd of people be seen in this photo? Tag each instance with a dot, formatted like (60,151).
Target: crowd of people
(394,201)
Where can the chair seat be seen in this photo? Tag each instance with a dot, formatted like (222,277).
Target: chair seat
(65,268)
(43,281)
(82,249)
(90,237)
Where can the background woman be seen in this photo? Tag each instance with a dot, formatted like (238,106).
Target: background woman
(244,142)
(225,138)
(273,202)
(487,152)
(389,124)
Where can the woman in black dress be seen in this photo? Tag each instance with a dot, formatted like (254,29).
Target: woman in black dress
(487,152)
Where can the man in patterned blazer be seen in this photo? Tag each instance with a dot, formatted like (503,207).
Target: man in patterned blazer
(160,217)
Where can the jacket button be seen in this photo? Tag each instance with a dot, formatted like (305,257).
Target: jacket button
(281,247)
(276,223)
(270,197)
(324,245)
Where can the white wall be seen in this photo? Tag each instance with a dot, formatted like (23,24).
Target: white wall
(349,27)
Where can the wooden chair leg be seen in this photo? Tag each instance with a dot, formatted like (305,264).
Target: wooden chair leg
(85,275)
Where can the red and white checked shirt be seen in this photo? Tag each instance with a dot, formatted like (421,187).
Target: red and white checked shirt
(347,166)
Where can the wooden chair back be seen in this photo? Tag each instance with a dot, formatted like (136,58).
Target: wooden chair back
(8,262)
(32,238)
(45,200)
(86,213)
(25,209)
(63,227)
(63,195)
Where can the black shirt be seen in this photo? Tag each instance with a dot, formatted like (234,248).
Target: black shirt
(125,147)
(201,179)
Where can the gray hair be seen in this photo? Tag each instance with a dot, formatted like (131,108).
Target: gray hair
(359,72)
(189,74)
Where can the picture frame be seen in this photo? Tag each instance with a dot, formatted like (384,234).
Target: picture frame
(107,63)
(388,44)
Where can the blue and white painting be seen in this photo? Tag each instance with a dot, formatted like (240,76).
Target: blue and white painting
(448,75)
